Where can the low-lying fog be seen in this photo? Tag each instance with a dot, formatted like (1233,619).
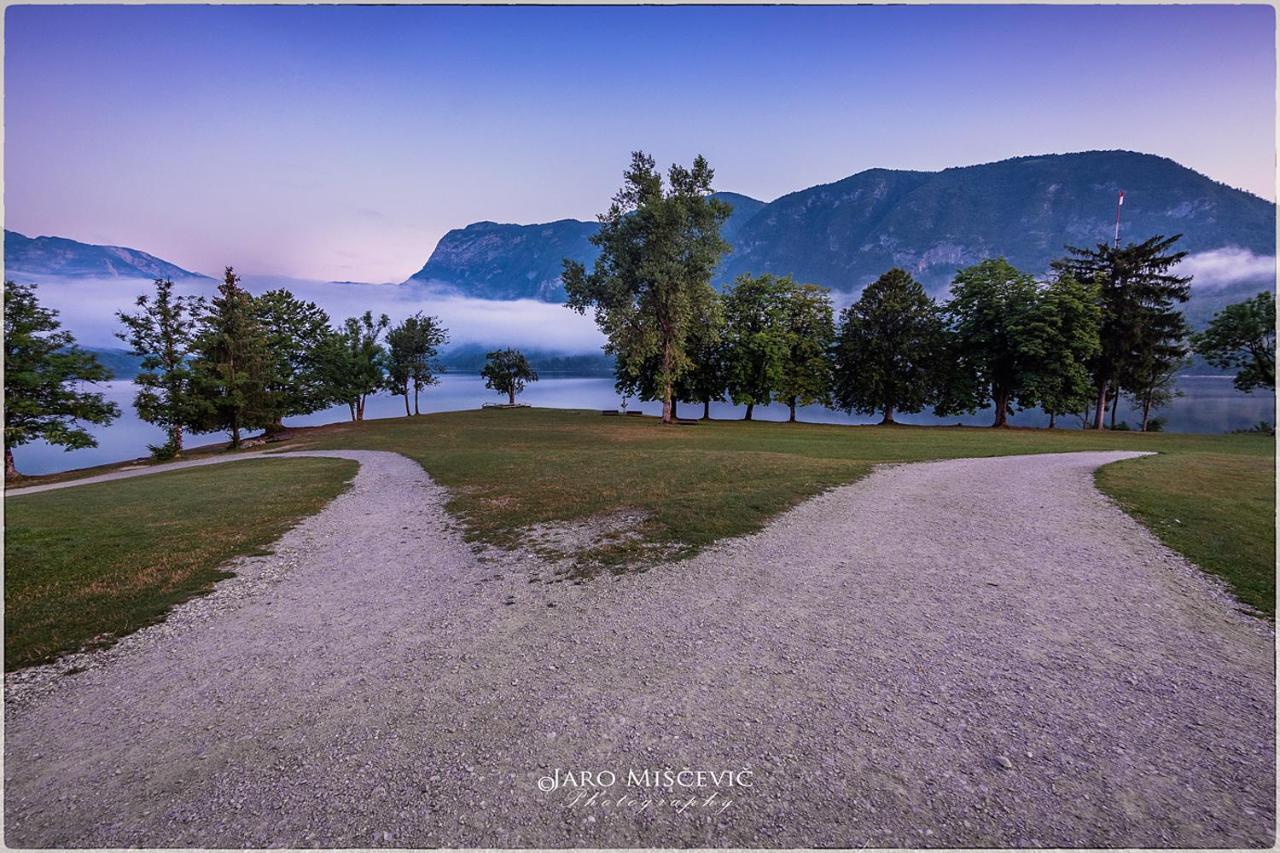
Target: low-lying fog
(87,307)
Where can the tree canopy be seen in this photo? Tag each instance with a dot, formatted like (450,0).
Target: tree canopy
(888,348)
(1243,336)
(506,371)
(659,245)
(163,333)
(43,368)
(1138,293)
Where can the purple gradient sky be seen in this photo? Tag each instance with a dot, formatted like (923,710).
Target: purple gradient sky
(341,143)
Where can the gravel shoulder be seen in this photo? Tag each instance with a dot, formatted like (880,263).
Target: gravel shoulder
(973,652)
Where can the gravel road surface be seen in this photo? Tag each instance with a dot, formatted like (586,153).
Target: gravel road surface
(970,652)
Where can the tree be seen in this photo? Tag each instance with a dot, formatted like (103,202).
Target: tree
(1061,341)
(412,348)
(703,382)
(231,364)
(43,368)
(652,280)
(295,331)
(1137,295)
(163,333)
(352,361)
(506,371)
(888,349)
(810,328)
(995,315)
(757,343)
(1243,336)
(1151,383)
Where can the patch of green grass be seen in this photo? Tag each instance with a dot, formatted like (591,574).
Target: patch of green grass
(1216,509)
(86,565)
(512,468)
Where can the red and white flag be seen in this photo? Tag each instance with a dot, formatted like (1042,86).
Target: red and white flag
(1121,202)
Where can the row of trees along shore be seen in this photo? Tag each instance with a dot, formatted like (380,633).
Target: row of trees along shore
(1104,322)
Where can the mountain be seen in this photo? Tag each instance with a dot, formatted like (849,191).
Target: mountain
(845,234)
(43,256)
(488,260)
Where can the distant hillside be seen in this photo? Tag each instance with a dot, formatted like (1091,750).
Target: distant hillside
(122,363)
(488,260)
(470,358)
(39,256)
(843,235)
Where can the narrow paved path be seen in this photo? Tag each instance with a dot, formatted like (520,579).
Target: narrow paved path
(971,652)
(139,471)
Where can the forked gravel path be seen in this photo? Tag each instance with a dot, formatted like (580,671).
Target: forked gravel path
(971,652)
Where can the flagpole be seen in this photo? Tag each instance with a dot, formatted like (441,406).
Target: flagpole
(1119,204)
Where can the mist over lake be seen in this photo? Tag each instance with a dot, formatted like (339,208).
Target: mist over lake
(1209,405)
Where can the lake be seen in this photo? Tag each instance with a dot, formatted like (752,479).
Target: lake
(1209,405)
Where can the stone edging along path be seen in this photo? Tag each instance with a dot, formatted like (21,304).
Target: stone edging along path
(969,652)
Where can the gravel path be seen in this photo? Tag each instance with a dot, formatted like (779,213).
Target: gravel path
(971,652)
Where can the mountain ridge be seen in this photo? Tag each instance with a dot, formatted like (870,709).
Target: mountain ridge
(63,256)
(844,233)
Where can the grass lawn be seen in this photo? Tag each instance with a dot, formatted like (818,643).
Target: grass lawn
(1211,497)
(88,564)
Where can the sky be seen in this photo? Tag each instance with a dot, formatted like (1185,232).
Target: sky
(341,143)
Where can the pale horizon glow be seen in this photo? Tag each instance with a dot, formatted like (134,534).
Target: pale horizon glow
(341,143)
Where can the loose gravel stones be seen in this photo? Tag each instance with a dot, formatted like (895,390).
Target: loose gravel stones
(860,667)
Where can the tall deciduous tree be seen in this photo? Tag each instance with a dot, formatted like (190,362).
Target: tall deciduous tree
(412,350)
(888,349)
(506,371)
(994,314)
(1243,336)
(231,364)
(295,331)
(806,372)
(1138,294)
(1062,340)
(352,361)
(652,281)
(163,334)
(757,342)
(43,369)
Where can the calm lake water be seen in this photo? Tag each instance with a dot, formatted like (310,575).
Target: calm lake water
(1209,405)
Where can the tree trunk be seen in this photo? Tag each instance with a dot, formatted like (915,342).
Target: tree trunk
(1115,404)
(406,402)
(352,406)
(511,396)
(360,408)
(1100,407)
(668,387)
(791,404)
(415,401)
(175,439)
(11,474)
(750,408)
(1002,409)
(888,415)
(1146,412)
(1053,419)
(675,410)
(706,410)
(235,435)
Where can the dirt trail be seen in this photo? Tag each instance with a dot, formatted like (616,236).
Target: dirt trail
(970,652)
